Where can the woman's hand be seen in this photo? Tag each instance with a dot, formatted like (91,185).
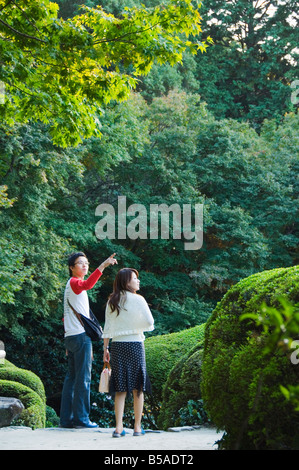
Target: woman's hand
(106,356)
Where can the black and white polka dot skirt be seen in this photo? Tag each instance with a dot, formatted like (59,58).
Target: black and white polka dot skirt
(128,368)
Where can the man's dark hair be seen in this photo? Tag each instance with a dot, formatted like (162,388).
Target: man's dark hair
(72,259)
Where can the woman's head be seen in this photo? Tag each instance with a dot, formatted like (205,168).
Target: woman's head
(126,280)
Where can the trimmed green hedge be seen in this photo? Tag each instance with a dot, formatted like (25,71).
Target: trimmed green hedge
(34,414)
(241,385)
(28,388)
(181,401)
(162,353)
(23,376)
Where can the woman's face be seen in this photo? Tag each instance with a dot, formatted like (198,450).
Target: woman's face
(134,282)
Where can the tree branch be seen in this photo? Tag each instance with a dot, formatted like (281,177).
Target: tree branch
(33,95)
(22,11)
(6,5)
(129,33)
(22,34)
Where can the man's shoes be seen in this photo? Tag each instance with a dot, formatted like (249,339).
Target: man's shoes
(89,425)
(139,433)
(119,434)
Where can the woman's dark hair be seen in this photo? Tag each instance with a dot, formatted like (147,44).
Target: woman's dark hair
(72,259)
(120,284)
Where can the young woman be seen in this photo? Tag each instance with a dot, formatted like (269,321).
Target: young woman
(127,317)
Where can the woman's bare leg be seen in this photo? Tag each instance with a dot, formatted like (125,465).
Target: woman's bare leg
(138,409)
(119,407)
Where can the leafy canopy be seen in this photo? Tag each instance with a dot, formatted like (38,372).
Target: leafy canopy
(63,72)
(248,73)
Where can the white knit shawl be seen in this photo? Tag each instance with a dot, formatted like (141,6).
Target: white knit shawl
(134,317)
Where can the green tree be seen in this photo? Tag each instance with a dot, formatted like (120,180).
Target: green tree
(63,72)
(31,261)
(33,266)
(248,72)
(246,184)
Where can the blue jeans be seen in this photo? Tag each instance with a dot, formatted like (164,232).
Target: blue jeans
(75,401)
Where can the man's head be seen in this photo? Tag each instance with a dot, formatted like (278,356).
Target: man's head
(79,260)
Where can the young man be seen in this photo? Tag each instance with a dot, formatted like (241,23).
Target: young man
(75,401)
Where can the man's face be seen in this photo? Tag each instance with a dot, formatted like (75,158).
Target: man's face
(80,268)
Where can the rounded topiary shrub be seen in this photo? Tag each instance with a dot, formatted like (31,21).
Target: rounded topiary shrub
(15,374)
(34,414)
(240,383)
(181,400)
(162,353)
(29,389)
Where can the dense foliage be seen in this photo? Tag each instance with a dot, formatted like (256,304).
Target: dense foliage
(240,381)
(64,71)
(255,58)
(217,128)
(248,227)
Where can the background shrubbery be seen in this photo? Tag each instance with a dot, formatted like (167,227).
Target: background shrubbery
(220,128)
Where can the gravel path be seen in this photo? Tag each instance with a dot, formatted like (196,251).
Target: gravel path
(176,439)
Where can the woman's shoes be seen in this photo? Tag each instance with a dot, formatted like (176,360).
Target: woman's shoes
(119,434)
(123,433)
(139,433)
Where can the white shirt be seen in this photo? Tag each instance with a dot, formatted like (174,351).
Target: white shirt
(80,302)
(134,318)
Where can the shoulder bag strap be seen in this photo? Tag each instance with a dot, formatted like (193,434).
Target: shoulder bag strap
(76,313)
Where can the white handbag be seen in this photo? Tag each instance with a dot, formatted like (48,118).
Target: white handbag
(105,378)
